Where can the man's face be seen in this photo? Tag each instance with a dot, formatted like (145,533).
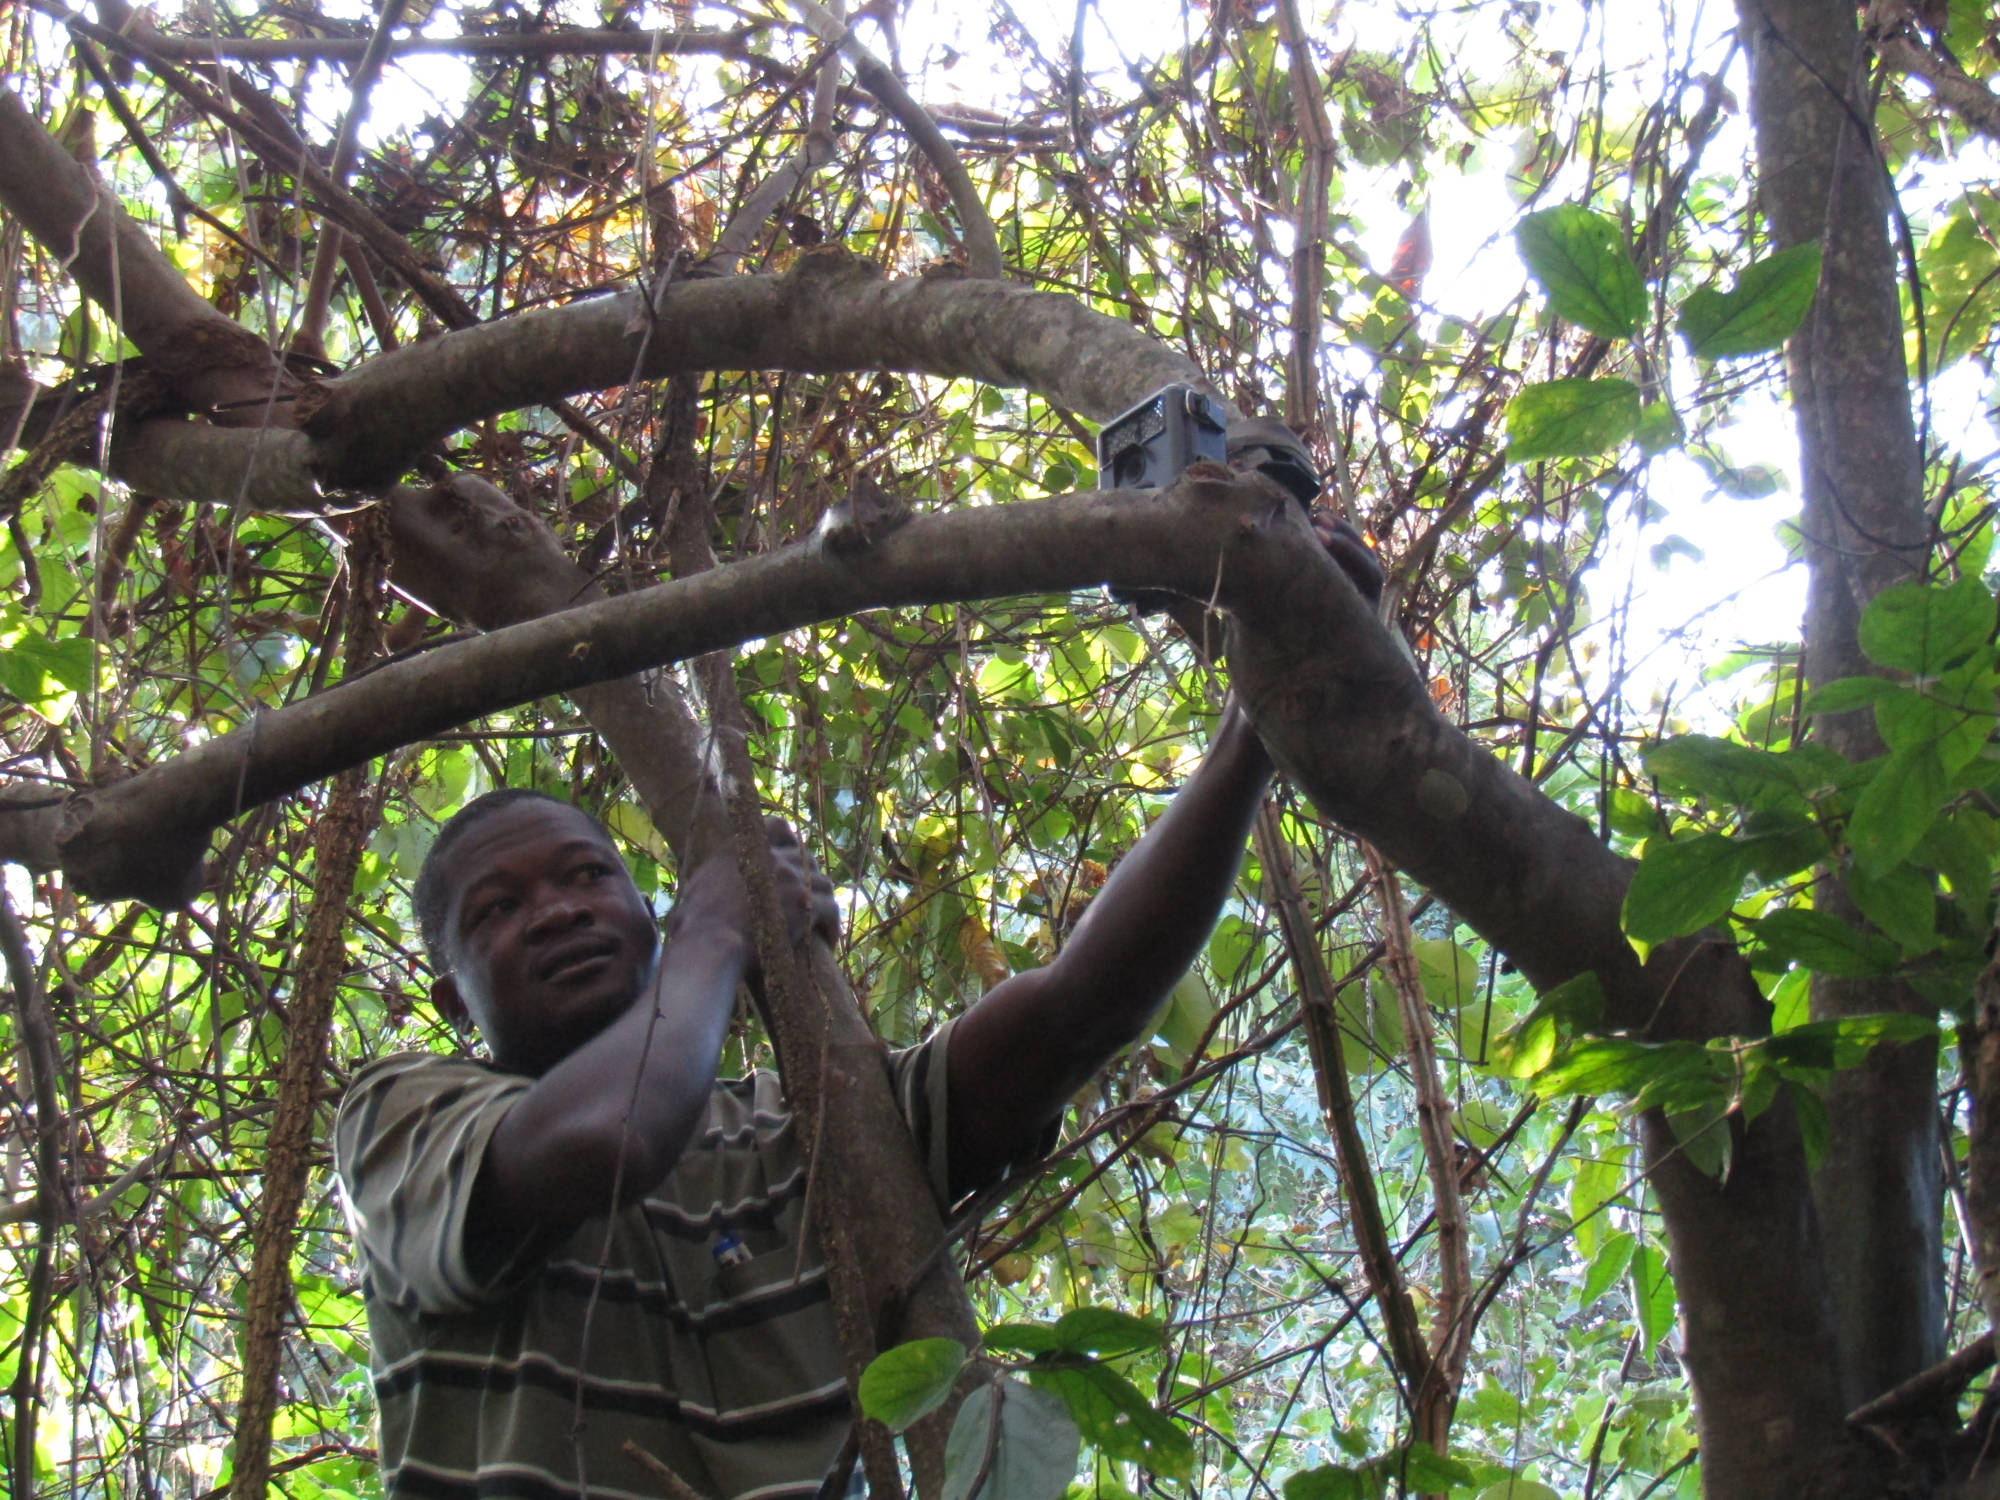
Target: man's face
(548,940)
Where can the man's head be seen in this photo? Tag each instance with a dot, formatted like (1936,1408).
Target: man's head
(531,920)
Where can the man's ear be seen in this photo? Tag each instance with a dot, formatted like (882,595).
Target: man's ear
(450,1004)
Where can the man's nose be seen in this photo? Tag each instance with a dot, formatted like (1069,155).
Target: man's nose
(557,913)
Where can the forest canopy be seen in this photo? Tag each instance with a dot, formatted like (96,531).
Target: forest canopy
(690,410)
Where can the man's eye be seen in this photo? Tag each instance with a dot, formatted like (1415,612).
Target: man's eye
(591,873)
(499,906)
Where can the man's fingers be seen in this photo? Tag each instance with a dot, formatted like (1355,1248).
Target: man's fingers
(1353,555)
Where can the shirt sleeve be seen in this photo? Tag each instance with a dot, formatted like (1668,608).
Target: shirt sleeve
(408,1141)
(920,1078)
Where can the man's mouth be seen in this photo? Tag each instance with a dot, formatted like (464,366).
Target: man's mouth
(577,961)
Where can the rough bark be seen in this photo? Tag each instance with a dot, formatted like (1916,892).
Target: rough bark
(338,840)
(1879,1186)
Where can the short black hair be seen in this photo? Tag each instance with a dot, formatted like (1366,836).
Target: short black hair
(430,895)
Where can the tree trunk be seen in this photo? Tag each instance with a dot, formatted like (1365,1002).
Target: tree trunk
(1879,1186)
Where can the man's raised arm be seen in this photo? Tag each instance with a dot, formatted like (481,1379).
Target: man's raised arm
(1019,1054)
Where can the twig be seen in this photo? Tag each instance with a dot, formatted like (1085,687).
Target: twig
(982,245)
(1302,394)
(1323,1043)
(326,258)
(43,1061)
(1450,1329)
(676,1487)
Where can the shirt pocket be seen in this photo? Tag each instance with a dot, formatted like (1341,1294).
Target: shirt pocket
(767,1333)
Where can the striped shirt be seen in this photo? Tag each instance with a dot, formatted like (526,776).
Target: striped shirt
(693,1323)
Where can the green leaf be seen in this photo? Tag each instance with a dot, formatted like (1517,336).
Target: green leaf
(1658,430)
(1106,1330)
(1424,1468)
(1033,1456)
(1527,1047)
(910,1381)
(1820,1047)
(1021,1338)
(1825,944)
(1450,975)
(1331,1482)
(1923,628)
(1702,1131)
(1721,770)
(1612,1257)
(1580,260)
(1110,1412)
(1570,418)
(1683,886)
(1766,306)
(1779,843)
(1954,711)
(1902,902)
(1846,694)
(1897,808)
(1652,1293)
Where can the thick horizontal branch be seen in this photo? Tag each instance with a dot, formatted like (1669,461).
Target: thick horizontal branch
(1344,711)
(830,313)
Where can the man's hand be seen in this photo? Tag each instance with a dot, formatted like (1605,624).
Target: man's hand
(1355,557)
(714,896)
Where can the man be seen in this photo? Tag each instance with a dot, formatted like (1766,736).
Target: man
(590,1244)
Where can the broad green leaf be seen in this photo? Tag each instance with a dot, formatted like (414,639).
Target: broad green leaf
(1450,975)
(1961,274)
(1820,1047)
(1760,312)
(1527,1047)
(910,1381)
(1110,1412)
(1846,694)
(1779,843)
(1185,1018)
(1652,1293)
(1923,628)
(1332,1482)
(1570,418)
(1721,770)
(1658,430)
(1580,260)
(1425,1469)
(1902,902)
(1815,1128)
(1682,886)
(1524,1050)
(1825,944)
(1106,1331)
(1702,1131)
(1033,1456)
(1897,808)
(1021,1338)
(1954,711)
(1612,1257)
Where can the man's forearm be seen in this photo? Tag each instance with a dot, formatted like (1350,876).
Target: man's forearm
(609,1121)
(1155,912)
